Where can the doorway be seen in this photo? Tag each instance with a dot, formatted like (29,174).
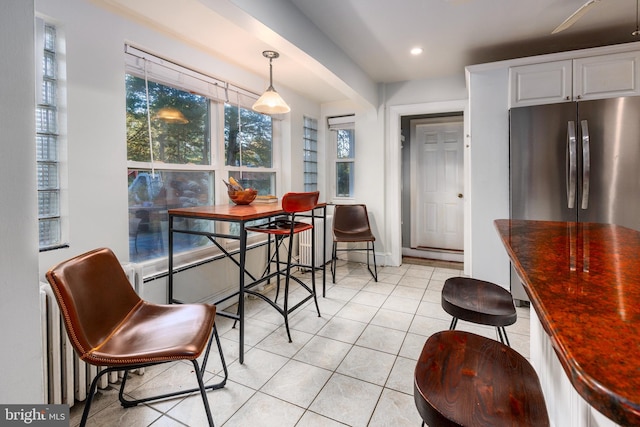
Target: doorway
(433,186)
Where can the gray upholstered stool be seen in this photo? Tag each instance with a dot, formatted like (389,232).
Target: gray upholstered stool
(479,302)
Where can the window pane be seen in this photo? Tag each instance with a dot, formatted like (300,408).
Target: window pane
(248,138)
(346,144)
(49,65)
(46,147)
(49,38)
(49,231)
(47,176)
(179,124)
(264,182)
(151,195)
(49,92)
(48,204)
(344,179)
(46,119)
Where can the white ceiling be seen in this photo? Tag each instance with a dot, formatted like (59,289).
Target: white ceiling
(373,37)
(378,34)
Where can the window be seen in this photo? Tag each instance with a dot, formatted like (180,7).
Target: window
(310,154)
(344,138)
(47,138)
(183,136)
(248,148)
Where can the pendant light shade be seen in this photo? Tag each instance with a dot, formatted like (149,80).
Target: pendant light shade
(171,115)
(271,102)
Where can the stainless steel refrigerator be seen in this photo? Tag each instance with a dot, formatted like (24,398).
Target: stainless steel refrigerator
(575,161)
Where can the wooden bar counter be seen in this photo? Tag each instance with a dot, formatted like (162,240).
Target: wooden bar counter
(583,281)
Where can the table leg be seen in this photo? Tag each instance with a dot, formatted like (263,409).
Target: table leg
(324,251)
(243,257)
(170,256)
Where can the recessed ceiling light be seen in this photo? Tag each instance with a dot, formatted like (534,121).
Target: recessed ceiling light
(416,51)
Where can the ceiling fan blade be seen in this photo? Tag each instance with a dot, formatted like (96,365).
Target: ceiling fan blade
(575,16)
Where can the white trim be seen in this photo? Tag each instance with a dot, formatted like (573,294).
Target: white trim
(394,166)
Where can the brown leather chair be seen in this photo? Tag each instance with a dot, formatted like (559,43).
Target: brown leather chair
(282,229)
(351,225)
(109,325)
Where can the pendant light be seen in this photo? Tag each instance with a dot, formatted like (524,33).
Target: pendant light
(271,102)
(171,115)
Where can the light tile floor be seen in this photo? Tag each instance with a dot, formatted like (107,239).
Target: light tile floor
(352,366)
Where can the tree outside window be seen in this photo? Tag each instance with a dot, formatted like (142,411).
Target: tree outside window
(345,155)
(248,148)
(179,122)
(181,138)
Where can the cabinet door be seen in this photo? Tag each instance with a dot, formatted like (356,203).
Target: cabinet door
(537,84)
(606,76)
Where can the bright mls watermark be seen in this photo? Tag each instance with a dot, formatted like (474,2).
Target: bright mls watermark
(34,415)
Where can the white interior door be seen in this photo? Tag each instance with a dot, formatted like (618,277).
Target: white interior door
(437,184)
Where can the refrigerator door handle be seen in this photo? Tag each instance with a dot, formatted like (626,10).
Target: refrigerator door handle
(586,164)
(571,165)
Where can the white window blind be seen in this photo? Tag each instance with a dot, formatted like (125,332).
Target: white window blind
(341,122)
(141,64)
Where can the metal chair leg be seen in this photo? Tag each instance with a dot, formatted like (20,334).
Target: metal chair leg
(334,259)
(454,322)
(199,371)
(502,335)
(373,252)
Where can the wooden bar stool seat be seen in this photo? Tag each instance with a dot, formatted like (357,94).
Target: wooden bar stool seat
(464,379)
(479,302)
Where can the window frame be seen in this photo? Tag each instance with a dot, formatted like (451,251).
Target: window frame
(335,125)
(217,165)
(52,100)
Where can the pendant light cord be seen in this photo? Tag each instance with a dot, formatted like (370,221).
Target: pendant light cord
(637,31)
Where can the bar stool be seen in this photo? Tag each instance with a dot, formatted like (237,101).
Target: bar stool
(464,379)
(283,228)
(479,302)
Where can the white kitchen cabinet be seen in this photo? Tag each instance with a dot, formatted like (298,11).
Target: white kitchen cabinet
(606,76)
(536,84)
(565,405)
(592,77)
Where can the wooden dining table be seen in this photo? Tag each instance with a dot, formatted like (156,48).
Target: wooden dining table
(241,215)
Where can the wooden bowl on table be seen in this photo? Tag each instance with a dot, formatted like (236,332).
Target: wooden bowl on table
(243,197)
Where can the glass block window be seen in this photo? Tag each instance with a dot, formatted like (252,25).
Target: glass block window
(310,154)
(50,234)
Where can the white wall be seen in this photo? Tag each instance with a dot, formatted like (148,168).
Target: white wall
(21,358)
(369,175)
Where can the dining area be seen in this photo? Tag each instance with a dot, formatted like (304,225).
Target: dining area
(365,345)
(354,365)
(296,346)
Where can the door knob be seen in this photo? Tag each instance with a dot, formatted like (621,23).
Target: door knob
(460,196)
